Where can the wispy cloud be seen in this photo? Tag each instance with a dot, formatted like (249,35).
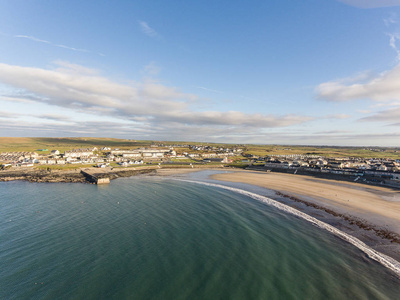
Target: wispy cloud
(391,19)
(371,3)
(32,38)
(208,90)
(388,115)
(146,29)
(35,39)
(394,38)
(53,117)
(71,48)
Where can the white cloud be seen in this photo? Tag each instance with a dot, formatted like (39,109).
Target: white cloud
(382,87)
(149,103)
(146,29)
(371,3)
(388,115)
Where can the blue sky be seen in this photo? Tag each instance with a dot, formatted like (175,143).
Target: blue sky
(283,72)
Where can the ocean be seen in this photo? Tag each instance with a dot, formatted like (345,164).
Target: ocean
(157,238)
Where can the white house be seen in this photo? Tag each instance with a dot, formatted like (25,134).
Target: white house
(55,152)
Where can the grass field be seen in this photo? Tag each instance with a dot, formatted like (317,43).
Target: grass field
(323,151)
(12,144)
(63,167)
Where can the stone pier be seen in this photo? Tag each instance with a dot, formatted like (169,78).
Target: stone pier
(96,177)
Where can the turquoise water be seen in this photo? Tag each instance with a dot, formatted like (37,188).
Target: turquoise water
(152,238)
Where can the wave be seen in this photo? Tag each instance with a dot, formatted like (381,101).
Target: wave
(383,259)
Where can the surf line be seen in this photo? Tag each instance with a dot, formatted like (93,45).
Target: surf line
(383,259)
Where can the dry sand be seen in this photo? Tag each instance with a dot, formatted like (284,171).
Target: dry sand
(379,206)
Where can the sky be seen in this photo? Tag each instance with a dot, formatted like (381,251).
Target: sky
(310,72)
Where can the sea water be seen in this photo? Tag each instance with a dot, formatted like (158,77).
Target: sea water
(155,238)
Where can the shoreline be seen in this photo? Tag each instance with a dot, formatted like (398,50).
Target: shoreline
(367,212)
(327,200)
(374,254)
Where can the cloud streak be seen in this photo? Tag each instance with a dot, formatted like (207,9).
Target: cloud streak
(388,115)
(208,90)
(35,39)
(146,29)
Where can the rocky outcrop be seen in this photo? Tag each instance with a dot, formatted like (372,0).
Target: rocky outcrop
(42,176)
(65,176)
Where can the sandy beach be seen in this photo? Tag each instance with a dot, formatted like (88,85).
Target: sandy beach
(378,206)
(369,213)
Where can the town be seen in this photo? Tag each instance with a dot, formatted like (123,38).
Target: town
(376,169)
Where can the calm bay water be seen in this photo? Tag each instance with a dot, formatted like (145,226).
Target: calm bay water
(152,238)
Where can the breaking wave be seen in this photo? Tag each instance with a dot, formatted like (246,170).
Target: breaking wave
(383,259)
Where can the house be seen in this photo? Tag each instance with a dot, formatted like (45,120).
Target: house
(382,168)
(226,160)
(336,164)
(299,163)
(79,153)
(207,160)
(55,152)
(209,155)
(153,153)
(287,164)
(321,163)
(132,154)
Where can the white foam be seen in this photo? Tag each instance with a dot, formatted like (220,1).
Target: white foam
(385,260)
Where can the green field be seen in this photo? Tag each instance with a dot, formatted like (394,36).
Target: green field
(264,150)
(11,144)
